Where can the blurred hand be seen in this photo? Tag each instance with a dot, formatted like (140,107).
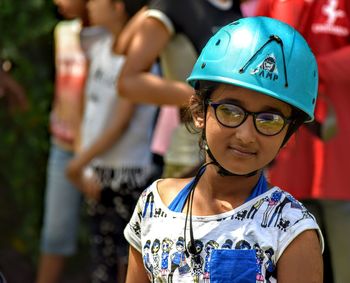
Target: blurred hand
(74,171)
(13,92)
(91,185)
(84,179)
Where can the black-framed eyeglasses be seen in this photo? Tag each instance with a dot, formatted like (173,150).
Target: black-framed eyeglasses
(232,116)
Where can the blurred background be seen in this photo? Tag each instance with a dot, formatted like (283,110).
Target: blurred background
(26,52)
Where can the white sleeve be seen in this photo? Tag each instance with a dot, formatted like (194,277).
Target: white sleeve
(298,226)
(163,18)
(132,231)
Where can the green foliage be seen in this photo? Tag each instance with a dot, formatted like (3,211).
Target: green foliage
(26,40)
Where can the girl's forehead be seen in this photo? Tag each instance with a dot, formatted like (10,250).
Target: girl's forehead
(251,99)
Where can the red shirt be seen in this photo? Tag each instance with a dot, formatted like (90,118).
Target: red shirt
(309,167)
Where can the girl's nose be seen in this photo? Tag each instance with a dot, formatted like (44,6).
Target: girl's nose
(246,132)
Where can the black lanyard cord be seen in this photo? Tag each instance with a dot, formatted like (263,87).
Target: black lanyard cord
(192,249)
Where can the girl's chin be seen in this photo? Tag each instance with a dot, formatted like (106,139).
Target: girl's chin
(241,171)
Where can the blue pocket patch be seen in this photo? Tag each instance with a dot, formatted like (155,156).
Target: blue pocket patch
(233,266)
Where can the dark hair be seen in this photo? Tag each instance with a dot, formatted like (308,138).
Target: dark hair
(298,119)
(133,6)
(203,89)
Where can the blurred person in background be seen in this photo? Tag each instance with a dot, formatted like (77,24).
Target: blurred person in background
(319,153)
(62,200)
(175,32)
(11,90)
(114,164)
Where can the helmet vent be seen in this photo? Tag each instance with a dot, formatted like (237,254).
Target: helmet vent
(234,23)
(203,65)
(313,101)
(218,42)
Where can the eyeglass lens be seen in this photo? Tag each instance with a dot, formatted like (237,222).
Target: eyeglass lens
(231,115)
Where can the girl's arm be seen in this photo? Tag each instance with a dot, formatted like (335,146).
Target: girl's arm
(123,114)
(129,30)
(136,272)
(302,260)
(136,82)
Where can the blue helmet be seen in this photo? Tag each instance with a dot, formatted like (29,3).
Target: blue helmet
(265,55)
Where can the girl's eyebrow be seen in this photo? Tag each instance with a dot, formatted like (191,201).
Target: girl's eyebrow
(230,100)
(266,108)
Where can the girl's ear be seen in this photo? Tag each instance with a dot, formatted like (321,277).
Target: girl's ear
(198,120)
(197,111)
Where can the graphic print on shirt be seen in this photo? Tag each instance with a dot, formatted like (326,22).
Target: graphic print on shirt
(197,261)
(149,202)
(241,215)
(259,263)
(253,210)
(209,247)
(166,247)
(164,256)
(178,260)
(106,78)
(146,258)
(333,14)
(272,202)
(263,258)
(242,245)
(227,245)
(158,212)
(156,258)
(279,208)
(269,265)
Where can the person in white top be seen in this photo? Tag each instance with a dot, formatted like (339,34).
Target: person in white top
(115,161)
(228,224)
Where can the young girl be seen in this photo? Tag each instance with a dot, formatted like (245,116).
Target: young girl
(115,164)
(256,83)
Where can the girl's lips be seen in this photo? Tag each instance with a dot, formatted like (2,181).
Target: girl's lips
(242,152)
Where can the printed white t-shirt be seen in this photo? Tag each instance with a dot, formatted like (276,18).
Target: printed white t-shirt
(244,243)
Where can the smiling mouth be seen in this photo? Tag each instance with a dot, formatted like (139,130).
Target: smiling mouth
(240,152)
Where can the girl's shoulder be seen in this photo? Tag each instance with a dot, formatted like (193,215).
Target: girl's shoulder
(169,188)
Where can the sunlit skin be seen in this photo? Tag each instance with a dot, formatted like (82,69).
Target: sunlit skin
(242,150)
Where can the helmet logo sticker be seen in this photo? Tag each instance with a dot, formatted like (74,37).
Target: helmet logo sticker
(267,68)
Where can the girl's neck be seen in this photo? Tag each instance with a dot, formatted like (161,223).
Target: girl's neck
(223,193)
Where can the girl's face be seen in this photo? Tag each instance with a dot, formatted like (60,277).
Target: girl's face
(101,12)
(242,150)
(71,9)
